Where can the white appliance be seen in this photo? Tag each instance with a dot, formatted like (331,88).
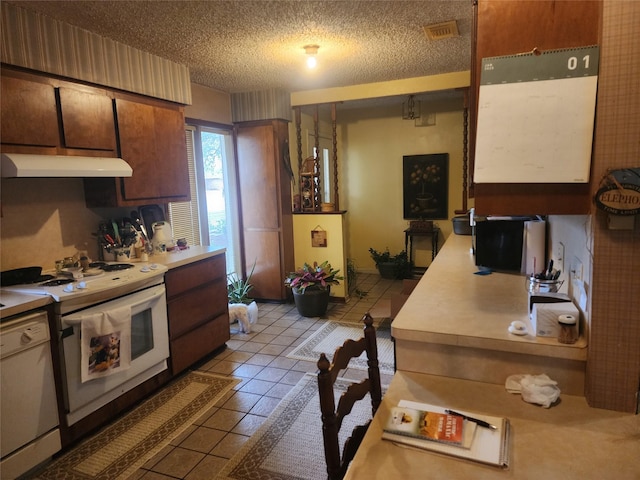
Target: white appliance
(29,432)
(48,166)
(149,351)
(139,286)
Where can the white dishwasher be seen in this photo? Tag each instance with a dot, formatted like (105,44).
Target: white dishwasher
(29,431)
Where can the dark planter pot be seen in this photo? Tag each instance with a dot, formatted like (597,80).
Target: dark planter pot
(311,303)
(388,270)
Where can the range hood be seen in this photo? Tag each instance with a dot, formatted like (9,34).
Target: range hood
(27,165)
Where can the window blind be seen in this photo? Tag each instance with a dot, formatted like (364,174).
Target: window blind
(184,216)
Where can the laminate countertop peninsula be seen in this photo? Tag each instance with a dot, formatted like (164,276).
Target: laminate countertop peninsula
(568,441)
(455,323)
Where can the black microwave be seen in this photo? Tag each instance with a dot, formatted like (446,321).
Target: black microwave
(510,244)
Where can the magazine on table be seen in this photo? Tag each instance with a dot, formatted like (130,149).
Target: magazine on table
(431,426)
(463,434)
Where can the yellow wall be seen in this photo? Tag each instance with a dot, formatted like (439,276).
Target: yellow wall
(334,252)
(373,142)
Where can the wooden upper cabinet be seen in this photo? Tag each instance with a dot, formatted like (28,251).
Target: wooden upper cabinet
(258,170)
(29,113)
(87,120)
(152,141)
(507,28)
(42,115)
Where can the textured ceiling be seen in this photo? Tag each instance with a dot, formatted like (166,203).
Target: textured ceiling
(242,46)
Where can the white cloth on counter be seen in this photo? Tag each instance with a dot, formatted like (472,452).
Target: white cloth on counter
(538,389)
(105,344)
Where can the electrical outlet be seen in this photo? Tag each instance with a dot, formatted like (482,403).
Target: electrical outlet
(559,256)
(576,269)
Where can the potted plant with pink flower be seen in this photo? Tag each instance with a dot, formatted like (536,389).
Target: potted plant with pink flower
(311,285)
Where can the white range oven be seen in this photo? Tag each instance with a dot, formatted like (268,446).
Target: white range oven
(113,332)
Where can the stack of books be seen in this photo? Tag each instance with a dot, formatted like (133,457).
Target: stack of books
(480,438)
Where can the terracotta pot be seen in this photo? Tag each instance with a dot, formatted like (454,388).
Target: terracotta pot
(311,303)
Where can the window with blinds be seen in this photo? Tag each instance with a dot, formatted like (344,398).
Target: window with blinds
(184,216)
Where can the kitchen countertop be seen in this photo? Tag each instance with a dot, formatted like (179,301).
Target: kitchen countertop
(569,440)
(184,257)
(16,303)
(452,306)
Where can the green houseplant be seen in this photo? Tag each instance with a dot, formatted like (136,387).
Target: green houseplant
(311,285)
(241,307)
(238,288)
(391,266)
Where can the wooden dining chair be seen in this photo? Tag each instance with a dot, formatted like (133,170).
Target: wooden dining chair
(331,416)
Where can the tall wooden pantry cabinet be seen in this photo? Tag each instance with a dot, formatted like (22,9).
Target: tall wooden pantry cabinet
(266,208)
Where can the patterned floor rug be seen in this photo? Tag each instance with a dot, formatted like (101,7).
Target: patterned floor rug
(288,446)
(333,334)
(120,449)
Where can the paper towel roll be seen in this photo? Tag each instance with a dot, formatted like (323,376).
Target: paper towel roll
(534,247)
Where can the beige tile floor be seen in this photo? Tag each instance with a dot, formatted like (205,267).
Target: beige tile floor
(259,360)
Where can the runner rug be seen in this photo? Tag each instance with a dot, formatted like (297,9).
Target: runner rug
(333,334)
(120,449)
(289,445)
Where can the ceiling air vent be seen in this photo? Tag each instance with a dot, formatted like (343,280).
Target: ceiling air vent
(438,31)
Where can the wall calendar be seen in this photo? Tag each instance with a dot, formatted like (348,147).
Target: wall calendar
(536,116)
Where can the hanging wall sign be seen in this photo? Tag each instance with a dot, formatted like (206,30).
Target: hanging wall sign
(318,237)
(621,199)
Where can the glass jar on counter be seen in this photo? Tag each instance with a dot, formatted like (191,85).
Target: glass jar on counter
(568,329)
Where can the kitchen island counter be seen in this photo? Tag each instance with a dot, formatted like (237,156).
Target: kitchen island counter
(570,440)
(455,323)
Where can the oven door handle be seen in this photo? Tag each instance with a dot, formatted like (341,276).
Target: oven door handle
(141,298)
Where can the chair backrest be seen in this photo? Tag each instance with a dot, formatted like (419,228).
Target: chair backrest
(331,416)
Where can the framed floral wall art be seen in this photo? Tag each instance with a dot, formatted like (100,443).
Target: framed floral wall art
(426,186)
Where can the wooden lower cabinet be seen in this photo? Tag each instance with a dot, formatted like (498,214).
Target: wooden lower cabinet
(198,311)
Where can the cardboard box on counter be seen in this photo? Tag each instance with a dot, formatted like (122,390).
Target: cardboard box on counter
(544,317)
(398,299)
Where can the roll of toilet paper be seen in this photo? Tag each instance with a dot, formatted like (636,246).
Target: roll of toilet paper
(567,319)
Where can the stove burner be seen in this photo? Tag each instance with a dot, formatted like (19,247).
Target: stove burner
(56,282)
(111,267)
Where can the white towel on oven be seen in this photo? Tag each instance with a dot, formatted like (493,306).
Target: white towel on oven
(105,344)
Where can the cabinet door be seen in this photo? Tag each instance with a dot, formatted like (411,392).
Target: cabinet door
(152,141)
(29,115)
(87,120)
(257,173)
(265,193)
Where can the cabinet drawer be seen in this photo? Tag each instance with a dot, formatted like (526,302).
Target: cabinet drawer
(187,277)
(195,345)
(196,307)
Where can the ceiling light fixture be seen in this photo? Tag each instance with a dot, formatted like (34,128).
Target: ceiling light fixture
(311,51)
(411,109)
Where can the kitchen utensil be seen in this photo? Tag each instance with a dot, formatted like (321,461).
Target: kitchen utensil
(150,214)
(19,276)
(135,216)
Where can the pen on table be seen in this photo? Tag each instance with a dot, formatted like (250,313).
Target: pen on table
(480,423)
